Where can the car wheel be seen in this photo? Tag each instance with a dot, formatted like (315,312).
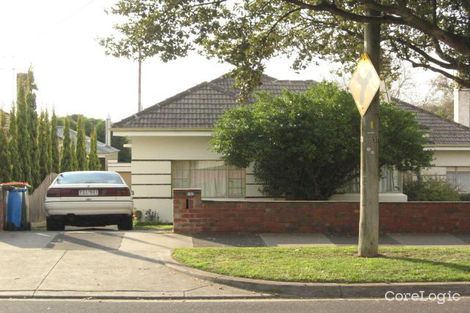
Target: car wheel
(54,224)
(126,223)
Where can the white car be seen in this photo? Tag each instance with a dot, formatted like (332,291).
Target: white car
(89,198)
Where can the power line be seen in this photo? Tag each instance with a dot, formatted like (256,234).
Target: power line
(66,18)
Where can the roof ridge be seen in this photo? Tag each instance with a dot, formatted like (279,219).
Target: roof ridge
(227,75)
(232,92)
(222,90)
(432,113)
(295,80)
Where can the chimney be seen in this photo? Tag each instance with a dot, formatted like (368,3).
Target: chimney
(462,106)
(108,131)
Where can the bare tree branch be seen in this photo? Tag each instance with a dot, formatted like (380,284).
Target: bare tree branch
(207,3)
(280,19)
(426,56)
(399,15)
(348,31)
(460,81)
(440,52)
(459,43)
(325,6)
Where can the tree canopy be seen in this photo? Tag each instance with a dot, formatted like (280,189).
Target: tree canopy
(306,146)
(432,34)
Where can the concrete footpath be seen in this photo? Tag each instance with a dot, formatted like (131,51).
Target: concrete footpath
(100,264)
(137,264)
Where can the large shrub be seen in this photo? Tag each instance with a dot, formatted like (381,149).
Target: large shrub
(430,190)
(306,145)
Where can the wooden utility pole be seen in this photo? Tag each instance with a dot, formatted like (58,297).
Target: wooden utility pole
(139,101)
(369,207)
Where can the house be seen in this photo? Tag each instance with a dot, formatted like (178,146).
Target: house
(106,153)
(170,147)
(450,143)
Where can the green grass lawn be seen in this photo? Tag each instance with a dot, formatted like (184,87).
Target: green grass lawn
(152,226)
(333,264)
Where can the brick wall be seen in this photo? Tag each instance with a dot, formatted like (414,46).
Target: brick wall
(193,215)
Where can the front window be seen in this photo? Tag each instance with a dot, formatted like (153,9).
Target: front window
(460,180)
(390,181)
(215,178)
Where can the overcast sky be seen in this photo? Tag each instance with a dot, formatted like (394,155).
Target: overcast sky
(59,40)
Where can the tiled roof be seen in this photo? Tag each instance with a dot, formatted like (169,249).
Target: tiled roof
(440,130)
(201,106)
(101,147)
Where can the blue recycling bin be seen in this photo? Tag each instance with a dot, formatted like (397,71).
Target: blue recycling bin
(15,218)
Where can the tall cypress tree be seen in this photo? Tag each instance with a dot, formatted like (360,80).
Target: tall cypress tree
(55,155)
(47,139)
(74,157)
(93,160)
(33,130)
(23,129)
(66,163)
(13,148)
(81,146)
(43,139)
(5,163)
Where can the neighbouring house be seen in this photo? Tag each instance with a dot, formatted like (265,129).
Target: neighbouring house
(170,148)
(106,153)
(123,168)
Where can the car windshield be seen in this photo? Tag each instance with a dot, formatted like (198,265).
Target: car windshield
(89,178)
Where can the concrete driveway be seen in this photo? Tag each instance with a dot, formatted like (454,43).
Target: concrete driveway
(98,263)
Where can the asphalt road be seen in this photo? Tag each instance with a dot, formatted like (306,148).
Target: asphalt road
(242,306)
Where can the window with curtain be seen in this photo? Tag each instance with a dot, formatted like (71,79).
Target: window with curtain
(461,180)
(215,178)
(390,181)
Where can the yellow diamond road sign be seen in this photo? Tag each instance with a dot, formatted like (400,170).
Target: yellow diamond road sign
(364,84)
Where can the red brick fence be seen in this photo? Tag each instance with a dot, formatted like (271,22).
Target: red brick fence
(193,215)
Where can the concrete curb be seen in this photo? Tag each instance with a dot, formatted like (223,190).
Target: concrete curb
(321,290)
(125,297)
(131,295)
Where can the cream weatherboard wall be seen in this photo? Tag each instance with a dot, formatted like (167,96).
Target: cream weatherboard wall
(450,160)
(151,169)
(152,157)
